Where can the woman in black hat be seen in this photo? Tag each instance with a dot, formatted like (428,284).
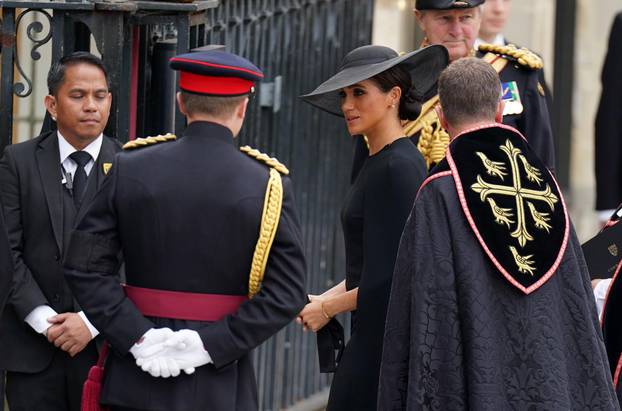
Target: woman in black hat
(375,90)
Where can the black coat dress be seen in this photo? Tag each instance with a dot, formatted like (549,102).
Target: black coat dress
(373,217)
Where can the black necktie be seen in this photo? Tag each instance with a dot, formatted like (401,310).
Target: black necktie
(79,177)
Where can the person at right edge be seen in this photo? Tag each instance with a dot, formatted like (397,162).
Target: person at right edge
(608,293)
(212,247)
(608,130)
(455,24)
(491,306)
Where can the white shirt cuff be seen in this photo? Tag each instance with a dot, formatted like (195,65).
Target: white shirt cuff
(38,318)
(92,329)
(600,293)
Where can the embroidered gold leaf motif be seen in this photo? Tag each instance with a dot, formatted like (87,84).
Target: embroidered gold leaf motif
(521,194)
(540,219)
(524,264)
(533,174)
(493,168)
(502,215)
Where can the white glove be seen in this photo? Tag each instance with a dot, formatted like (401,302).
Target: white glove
(151,343)
(184,348)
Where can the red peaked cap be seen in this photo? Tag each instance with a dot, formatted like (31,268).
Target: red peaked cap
(216,73)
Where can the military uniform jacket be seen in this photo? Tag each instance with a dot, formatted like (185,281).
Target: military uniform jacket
(186,216)
(533,122)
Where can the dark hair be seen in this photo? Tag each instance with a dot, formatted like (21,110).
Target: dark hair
(410,103)
(56,75)
(212,105)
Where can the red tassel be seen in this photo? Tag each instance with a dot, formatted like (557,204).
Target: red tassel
(92,389)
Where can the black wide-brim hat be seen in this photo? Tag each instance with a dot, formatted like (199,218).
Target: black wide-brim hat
(424,65)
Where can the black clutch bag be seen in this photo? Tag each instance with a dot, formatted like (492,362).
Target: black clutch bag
(330,345)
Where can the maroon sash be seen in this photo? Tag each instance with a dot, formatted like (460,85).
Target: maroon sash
(164,304)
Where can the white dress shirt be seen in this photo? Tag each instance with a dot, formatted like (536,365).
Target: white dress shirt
(38,318)
(600,293)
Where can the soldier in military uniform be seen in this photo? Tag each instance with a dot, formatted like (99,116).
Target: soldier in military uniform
(455,24)
(212,247)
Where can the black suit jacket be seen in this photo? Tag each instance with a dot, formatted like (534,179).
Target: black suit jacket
(6,268)
(608,136)
(186,215)
(32,198)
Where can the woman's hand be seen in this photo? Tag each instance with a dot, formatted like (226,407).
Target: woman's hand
(313,317)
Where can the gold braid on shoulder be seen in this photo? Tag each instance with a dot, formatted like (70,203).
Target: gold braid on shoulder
(433,139)
(273,202)
(523,56)
(148,141)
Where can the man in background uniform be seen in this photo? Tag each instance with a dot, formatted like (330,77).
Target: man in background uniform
(213,253)
(455,24)
(495,16)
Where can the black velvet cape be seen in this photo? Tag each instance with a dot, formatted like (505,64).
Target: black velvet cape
(460,336)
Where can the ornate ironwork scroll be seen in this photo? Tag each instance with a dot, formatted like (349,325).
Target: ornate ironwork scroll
(33,29)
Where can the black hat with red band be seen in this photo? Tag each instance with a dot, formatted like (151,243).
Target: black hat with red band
(216,73)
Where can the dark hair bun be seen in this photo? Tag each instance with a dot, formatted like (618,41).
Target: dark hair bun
(410,105)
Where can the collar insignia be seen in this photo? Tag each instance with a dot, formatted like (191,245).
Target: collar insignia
(106,167)
(512,202)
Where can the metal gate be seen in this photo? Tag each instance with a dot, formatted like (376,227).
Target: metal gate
(298,44)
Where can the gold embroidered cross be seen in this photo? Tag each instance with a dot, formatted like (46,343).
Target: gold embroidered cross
(521,194)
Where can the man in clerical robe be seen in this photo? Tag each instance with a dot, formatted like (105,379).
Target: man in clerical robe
(491,305)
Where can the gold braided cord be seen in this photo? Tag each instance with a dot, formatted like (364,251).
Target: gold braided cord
(148,141)
(264,158)
(433,140)
(523,56)
(273,203)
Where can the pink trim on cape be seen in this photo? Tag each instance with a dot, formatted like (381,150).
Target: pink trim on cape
(432,177)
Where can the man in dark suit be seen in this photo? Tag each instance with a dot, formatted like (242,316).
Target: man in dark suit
(45,185)
(213,253)
(608,136)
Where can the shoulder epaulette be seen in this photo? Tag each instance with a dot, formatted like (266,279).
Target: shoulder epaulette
(522,56)
(148,141)
(264,158)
